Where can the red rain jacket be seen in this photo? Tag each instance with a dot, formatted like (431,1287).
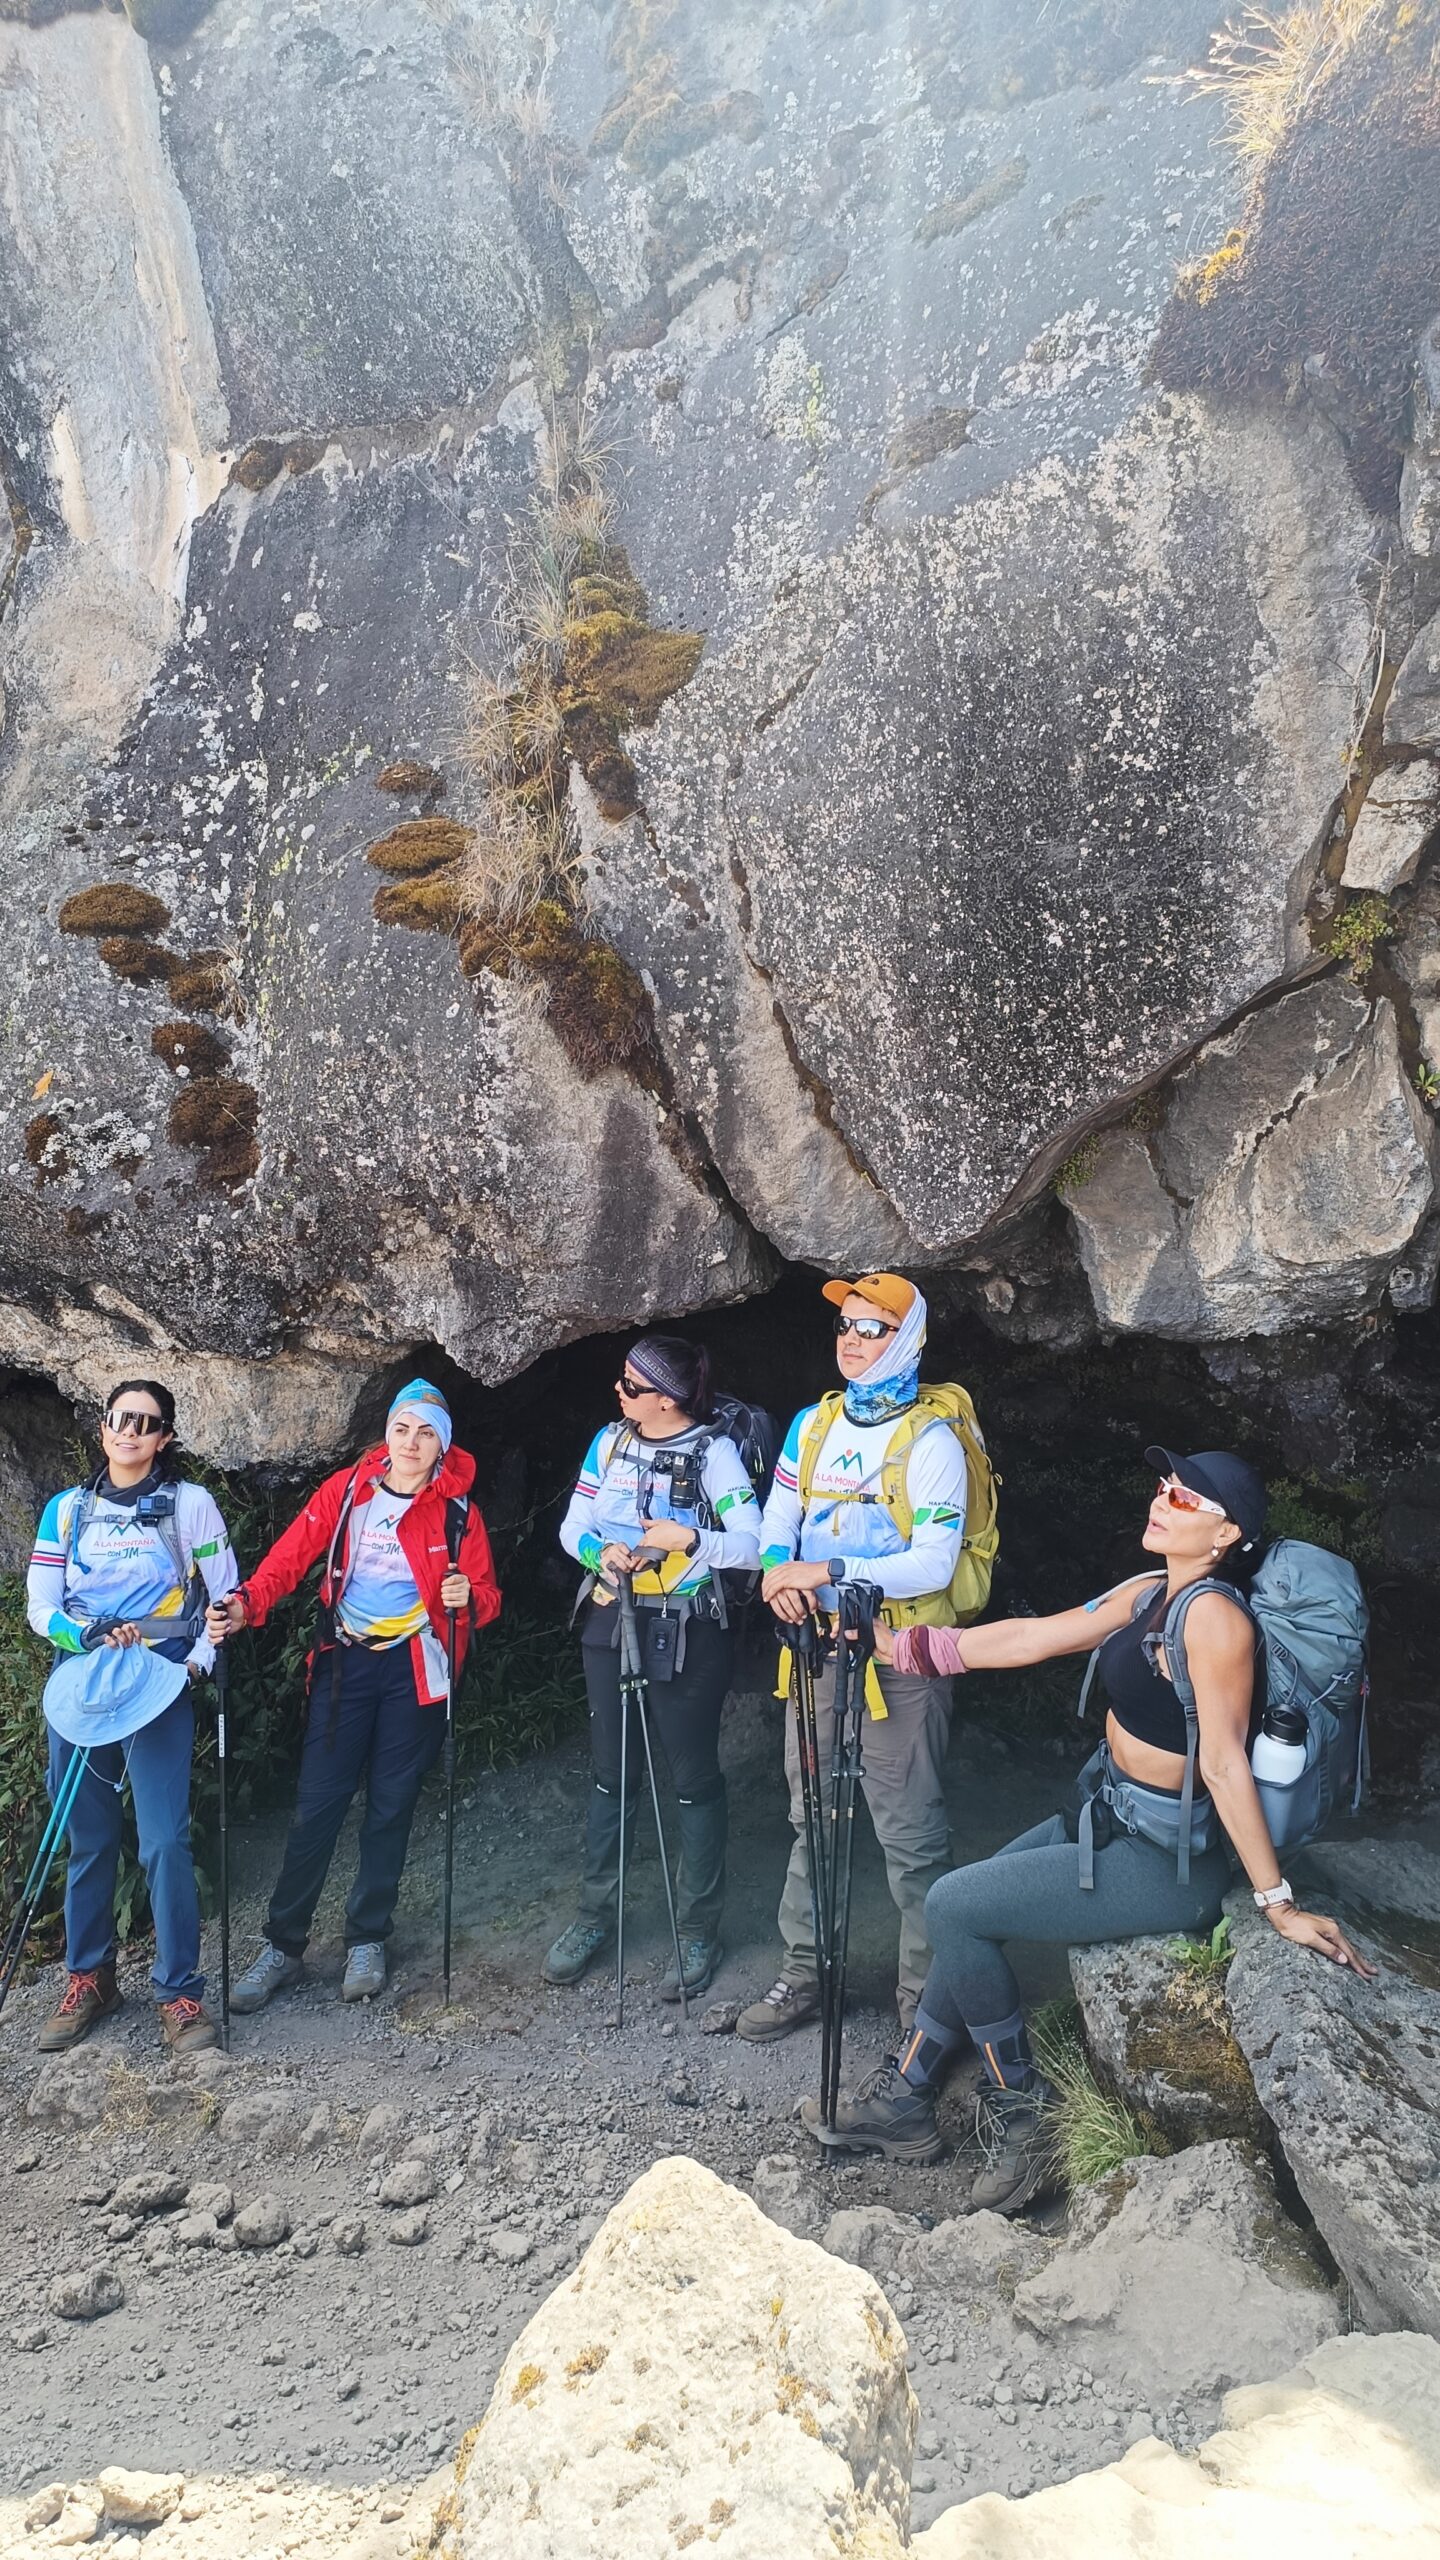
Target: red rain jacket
(421,1532)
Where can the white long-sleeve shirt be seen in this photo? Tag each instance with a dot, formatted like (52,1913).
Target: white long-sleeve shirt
(122,1567)
(626,1480)
(864,1534)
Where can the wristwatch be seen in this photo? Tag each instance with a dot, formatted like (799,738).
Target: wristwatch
(835,1569)
(1277,1893)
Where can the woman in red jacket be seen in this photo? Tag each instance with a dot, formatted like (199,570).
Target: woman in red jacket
(377,1675)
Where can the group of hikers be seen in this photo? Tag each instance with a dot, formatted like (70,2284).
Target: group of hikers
(874,1527)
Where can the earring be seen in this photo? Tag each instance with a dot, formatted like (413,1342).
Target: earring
(1215,1551)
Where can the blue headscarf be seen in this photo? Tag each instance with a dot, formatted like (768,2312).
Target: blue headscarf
(893,1383)
(430,1405)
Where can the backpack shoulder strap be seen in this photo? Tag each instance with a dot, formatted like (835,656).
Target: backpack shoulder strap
(337,1534)
(1172,1637)
(457,1521)
(1150,1584)
(812,1441)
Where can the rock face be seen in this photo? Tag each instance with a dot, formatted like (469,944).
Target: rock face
(1003,781)
(1337,2461)
(1349,2074)
(1161,2037)
(1204,2229)
(698,2370)
(1292,1166)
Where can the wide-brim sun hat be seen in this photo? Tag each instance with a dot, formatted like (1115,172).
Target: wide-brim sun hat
(105,1696)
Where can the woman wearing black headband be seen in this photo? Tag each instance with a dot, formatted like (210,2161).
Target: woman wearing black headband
(659,1479)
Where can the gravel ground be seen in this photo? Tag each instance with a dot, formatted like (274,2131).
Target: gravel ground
(358,2346)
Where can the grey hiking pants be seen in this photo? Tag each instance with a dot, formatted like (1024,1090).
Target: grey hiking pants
(902,1758)
(1031,1889)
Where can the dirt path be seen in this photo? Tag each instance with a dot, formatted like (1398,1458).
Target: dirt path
(530,2113)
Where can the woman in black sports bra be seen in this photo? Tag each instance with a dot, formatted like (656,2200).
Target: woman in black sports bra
(1078,1879)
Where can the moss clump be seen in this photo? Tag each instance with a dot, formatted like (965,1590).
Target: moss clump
(1079,1168)
(432,904)
(596,1005)
(419,846)
(259,464)
(202,983)
(925,439)
(114,906)
(1354,933)
(44,1148)
(958,212)
(131,957)
(218,1115)
(1336,274)
(623,669)
(189,1045)
(406,775)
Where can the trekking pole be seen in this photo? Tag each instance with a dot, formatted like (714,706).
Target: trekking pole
(856,1640)
(639,1690)
(40,1866)
(221,1677)
(804,1646)
(454,1532)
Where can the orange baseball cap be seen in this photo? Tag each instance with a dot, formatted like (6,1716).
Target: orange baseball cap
(884,1289)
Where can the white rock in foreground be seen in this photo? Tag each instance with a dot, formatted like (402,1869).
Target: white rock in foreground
(1339,2461)
(702,2376)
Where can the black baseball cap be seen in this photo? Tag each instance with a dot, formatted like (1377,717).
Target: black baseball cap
(1221,1477)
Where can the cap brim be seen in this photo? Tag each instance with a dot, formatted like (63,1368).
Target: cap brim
(1195,1477)
(837,1291)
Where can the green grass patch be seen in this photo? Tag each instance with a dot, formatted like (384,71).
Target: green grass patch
(1093,2133)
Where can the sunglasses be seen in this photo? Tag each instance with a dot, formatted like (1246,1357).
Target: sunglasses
(869,1328)
(125,1418)
(628,1386)
(1180,1498)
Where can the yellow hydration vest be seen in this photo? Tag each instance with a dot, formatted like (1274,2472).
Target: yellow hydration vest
(969,1586)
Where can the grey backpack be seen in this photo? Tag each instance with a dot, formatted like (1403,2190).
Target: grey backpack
(1311,1626)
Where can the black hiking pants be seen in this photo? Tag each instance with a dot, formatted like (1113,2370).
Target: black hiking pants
(684,1719)
(375,1728)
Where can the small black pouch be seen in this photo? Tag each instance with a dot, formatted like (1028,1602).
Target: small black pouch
(659,1644)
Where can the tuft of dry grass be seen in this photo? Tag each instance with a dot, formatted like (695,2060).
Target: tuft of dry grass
(1268,66)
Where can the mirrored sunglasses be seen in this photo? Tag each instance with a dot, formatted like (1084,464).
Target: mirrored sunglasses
(1180,1498)
(126,1418)
(869,1328)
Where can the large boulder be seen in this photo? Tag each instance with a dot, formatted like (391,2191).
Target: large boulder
(1159,2034)
(1205,2229)
(1348,2071)
(699,2370)
(1291,1166)
(1340,2460)
(1006,771)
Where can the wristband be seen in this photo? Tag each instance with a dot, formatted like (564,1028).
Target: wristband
(1277,1894)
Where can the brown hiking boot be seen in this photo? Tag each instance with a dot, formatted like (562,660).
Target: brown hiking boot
(86,1998)
(785,2006)
(187,2026)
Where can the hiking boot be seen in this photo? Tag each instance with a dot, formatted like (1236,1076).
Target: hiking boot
(702,1957)
(575,1950)
(366,1971)
(883,2114)
(784,2007)
(271,1971)
(86,1998)
(187,2026)
(1016,2147)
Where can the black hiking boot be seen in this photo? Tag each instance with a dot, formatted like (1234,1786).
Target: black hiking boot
(1016,2145)
(883,2114)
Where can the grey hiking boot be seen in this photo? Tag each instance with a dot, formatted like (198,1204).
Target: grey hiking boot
(702,1958)
(574,1951)
(883,2114)
(366,1971)
(270,1972)
(784,2007)
(1016,2145)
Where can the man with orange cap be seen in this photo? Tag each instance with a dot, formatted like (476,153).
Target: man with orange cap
(844,1510)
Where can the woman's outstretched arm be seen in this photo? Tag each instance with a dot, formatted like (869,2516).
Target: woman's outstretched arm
(1007,1644)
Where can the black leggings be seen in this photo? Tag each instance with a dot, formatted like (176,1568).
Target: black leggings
(684,1712)
(1030,1889)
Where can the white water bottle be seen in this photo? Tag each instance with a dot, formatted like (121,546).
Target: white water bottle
(1279,1753)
